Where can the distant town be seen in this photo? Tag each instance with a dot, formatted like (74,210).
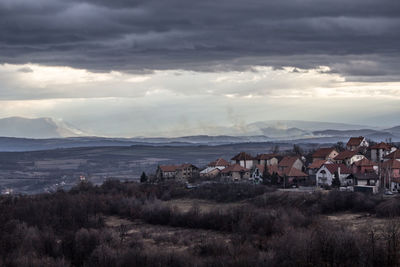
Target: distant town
(359,165)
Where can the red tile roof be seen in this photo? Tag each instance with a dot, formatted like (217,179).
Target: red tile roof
(168,168)
(323,152)
(335,167)
(355,141)
(290,172)
(382,145)
(394,155)
(366,176)
(219,162)
(364,162)
(293,172)
(173,168)
(317,164)
(345,155)
(392,163)
(243,156)
(186,165)
(288,161)
(235,168)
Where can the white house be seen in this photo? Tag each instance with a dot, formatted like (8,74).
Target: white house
(235,172)
(243,159)
(379,151)
(348,157)
(214,168)
(266,159)
(211,172)
(355,143)
(326,174)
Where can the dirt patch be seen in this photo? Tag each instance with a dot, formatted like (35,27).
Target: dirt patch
(185,205)
(357,221)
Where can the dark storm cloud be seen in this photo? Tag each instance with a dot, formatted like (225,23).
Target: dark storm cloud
(358,38)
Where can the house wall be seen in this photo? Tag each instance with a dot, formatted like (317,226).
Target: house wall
(245,163)
(240,176)
(332,155)
(212,173)
(312,171)
(342,178)
(378,154)
(164,175)
(186,173)
(326,179)
(323,177)
(353,159)
(362,182)
(363,143)
(268,162)
(364,169)
(168,175)
(298,164)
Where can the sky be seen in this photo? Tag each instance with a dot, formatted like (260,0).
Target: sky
(179,67)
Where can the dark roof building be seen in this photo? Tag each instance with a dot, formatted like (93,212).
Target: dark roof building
(243,156)
(323,153)
(345,155)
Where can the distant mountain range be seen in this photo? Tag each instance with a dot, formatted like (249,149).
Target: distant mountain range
(376,135)
(20,134)
(36,128)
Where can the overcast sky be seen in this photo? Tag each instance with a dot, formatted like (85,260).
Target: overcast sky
(177,67)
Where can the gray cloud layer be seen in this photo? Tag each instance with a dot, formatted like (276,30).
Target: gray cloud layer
(358,38)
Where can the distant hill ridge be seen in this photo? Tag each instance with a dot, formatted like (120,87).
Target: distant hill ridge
(36,128)
(263,131)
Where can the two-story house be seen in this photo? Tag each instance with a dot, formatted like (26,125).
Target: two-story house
(355,143)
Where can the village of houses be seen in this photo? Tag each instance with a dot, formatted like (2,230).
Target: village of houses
(358,166)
